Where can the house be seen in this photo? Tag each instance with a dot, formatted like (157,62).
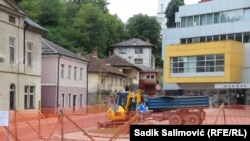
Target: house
(148,80)
(64,77)
(207,53)
(136,51)
(20,59)
(103,79)
(131,70)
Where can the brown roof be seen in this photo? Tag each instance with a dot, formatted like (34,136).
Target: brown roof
(97,65)
(146,68)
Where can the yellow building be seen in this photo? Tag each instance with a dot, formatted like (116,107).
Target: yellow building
(207,52)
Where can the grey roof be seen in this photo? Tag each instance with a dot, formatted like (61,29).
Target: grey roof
(146,68)
(116,60)
(50,48)
(134,42)
(34,24)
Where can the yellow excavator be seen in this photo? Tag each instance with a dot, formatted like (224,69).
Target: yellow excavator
(179,110)
(125,103)
(122,107)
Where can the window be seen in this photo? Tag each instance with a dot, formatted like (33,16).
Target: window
(178,63)
(201,63)
(209,18)
(150,77)
(216,17)
(190,21)
(12,19)
(196,40)
(69,99)
(223,37)
(122,50)
(81,99)
(134,73)
(138,61)
(12,96)
(103,84)
(247,14)
(12,49)
(196,21)
(183,41)
(138,50)
(62,102)
(183,22)
(30,46)
(238,37)
(81,73)
(230,36)
(202,39)
(29,97)
(216,38)
(246,37)
(69,72)
(203,19)
(209,38)
(62,70)
(120,81)
(115,81)
(75,72)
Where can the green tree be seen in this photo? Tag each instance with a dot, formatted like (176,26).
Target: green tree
(60,36)
(72,9)
(77,24)
(53,12)
(88,29)
(115,29)
(32,8)
(44,12)
(102,4)
(146,27)
(171,9)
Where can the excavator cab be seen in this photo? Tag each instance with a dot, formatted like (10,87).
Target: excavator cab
(126,103)
(128,100)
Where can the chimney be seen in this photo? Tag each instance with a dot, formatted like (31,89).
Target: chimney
(147,40)
(79,53)
(110,53)
(94,52)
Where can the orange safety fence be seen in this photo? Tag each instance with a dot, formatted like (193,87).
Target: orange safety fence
(75,123)
(28,125)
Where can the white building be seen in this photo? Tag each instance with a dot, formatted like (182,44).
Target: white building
(20,59)
(136,51)
(207,53)
(161,8)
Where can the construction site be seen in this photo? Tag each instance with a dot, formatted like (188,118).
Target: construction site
(111,122)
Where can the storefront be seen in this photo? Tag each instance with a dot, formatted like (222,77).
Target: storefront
(229,94)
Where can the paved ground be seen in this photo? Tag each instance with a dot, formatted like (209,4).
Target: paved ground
(214,116)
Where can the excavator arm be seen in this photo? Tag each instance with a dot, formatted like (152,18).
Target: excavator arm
(132,101)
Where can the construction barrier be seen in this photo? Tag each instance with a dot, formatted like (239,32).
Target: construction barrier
(80,123)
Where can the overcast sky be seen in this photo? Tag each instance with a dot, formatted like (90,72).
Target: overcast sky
(127,8)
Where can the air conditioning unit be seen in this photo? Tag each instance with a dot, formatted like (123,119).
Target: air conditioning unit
(1,59)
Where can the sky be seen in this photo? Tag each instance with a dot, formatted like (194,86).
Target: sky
(127,8)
